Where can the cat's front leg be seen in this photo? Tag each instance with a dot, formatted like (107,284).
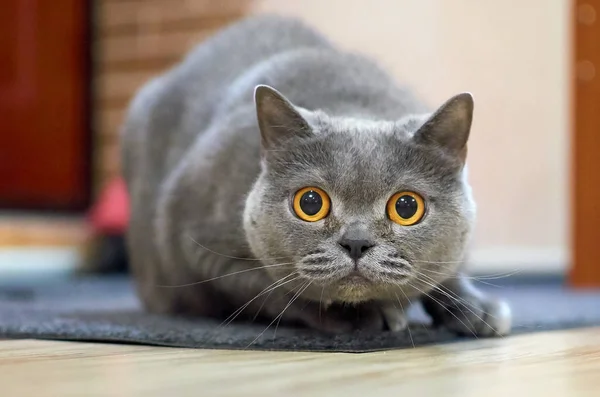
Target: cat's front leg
(339,318)
(395,317)
(371,316)
(461,307)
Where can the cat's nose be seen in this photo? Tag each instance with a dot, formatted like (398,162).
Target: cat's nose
(356,247)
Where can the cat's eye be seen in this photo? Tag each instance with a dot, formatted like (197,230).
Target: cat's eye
(311,204)
(406,208)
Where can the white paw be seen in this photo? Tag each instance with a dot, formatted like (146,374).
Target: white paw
(472,315)
(394,318)
(498,317)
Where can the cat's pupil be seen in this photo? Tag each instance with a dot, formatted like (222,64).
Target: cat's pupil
(311,203)
(406,206)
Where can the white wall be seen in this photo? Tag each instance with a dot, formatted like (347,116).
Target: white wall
(513,56)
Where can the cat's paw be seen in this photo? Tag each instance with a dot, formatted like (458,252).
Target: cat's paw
(481,315)
(327,321)
(370,317)
(394,317)
(337,319)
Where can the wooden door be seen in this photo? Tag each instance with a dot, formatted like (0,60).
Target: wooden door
(585,144)
(44,96)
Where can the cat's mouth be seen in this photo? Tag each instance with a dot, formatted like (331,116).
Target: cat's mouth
(393,269)
(355,278)
(357,284)
(369,279)
(353,287)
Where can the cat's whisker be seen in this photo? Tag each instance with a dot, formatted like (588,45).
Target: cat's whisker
(281,282)
(410,305)
(280,317)
(293,290)
(404,313)
(469,327)
(321,302)
(273,289)
(487,283)
(235,257)
(436,285)
(294,298)
(475,278)
(226,275)
(455,276)
(452,273)
(278,321)
(453,296)
(445,291)
(448,275)
(439,262)
(497,275)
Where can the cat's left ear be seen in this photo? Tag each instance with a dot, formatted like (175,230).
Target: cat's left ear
(449,127)
(278,119)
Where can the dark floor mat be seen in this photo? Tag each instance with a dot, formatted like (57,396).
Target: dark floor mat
(105,309)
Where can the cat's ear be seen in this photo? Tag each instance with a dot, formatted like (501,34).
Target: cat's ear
(450,125)
(278,119)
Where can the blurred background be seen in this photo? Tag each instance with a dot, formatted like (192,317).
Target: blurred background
(67,75)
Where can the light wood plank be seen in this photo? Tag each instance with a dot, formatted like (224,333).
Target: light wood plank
(172,45)
(110,121)
(184,23)
(150,12)
(543,364)
(137,39)
(158,64)
(123,85)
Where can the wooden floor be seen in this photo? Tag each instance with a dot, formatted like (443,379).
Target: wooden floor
(550,364)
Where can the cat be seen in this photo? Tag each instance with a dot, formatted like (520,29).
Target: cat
(273,175)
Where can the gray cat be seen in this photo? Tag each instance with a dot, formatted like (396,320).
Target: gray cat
(335,206)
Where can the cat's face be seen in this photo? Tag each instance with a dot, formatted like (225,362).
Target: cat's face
(358,208)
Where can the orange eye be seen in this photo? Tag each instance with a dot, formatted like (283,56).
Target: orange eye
(311,204)
(406,208)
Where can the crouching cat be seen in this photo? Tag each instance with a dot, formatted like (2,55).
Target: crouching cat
(273,175)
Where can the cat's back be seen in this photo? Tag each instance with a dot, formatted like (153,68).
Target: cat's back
(166,117)
(174,107)
(235,49)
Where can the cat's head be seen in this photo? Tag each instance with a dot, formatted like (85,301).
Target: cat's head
(360,207)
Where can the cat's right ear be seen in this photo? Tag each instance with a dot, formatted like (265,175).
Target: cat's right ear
(449,127)
(278,119)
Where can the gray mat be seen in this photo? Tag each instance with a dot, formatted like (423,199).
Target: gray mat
(106,310)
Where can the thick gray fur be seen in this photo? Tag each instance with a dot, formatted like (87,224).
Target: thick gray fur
(212,156)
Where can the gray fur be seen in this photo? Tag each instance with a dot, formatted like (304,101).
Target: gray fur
(211,163)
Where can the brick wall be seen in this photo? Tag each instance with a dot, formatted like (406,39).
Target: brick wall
(137,39)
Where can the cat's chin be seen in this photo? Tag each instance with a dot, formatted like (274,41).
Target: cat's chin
(355,278)
(354,288)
